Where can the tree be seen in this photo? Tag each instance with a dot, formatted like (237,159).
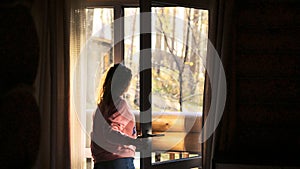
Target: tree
(180,66)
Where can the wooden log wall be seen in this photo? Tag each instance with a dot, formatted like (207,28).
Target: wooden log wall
(182,131)
(267,73)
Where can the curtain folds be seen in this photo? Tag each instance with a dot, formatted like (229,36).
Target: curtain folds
(51,85)
(222,38)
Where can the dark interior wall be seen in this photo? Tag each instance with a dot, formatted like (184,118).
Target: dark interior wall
(267,76)
(19,110)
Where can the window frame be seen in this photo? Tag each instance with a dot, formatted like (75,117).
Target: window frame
(118,7)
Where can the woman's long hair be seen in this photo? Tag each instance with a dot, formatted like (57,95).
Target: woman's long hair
(116,82)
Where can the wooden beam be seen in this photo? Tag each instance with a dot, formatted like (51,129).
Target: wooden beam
(175,121)
(111,3)
(177,141)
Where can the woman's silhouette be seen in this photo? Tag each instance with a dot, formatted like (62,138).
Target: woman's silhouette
(114,134)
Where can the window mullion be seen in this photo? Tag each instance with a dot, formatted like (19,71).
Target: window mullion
(118,34)
(145,77)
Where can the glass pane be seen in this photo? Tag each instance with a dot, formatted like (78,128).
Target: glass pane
(96,58)
(179,49)
(131,54)
(131,60)
(179,41)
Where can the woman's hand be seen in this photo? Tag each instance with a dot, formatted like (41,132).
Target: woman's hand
(142,144)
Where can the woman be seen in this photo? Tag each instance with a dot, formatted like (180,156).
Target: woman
(114,134)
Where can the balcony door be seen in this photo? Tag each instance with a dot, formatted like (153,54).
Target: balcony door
(171,84)
(165,45)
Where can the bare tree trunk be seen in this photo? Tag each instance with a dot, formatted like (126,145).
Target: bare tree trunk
(132,39)
(184,60)
(178,64)
(158,58)
(137,92)
(173,35)
(194,44)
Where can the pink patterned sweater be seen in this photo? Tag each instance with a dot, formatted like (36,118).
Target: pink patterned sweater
(109,133)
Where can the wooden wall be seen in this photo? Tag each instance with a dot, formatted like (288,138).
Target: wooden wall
(266,66)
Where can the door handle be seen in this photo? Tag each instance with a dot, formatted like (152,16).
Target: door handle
(151,135)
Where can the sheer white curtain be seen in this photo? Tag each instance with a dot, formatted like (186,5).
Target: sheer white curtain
(78,82)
